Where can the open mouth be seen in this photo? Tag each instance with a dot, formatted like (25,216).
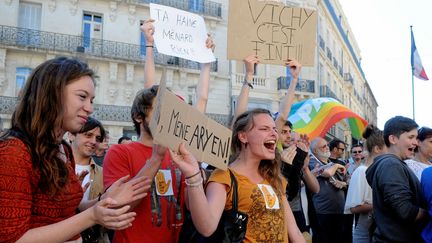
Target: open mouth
(271,144)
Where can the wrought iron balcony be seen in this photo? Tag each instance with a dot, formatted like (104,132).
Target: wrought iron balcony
(102,112)
(201,7)
(348,78)
(50,41)
(325,91)
(303,85)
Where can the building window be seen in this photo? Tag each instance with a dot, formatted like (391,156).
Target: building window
(29,21)
(92,28)
(22,73)
(29,16)
(196,6)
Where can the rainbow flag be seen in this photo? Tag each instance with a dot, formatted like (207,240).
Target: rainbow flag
(315,117)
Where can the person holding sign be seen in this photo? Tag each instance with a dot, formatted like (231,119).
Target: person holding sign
(39,190)
(251,63)
(261,186)
(160,216)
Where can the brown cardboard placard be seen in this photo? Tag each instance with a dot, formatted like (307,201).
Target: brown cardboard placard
(157,102)
(271,30)
(179,122)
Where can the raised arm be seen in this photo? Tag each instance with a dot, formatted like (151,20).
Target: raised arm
(205,220)
(288,99)
(203,84)
(149,68)
(243,97)
(310,180)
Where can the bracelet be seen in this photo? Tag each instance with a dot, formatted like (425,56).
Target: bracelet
(245,82)
(195,183)
(99,197)
(199,171)
(150,46)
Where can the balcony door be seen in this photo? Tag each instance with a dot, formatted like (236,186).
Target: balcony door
(196,6)
(29,23)
(92,30)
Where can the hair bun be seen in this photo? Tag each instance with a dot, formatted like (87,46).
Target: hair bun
(369,130)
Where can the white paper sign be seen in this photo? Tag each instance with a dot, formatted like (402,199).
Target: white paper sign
(181,34)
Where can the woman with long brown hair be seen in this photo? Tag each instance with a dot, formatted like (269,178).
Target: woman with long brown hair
(39,191)
(261,187)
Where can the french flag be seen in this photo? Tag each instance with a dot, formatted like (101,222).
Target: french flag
(416,64)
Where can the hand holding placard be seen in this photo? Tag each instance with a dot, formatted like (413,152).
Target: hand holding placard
(273,31)
(180,34)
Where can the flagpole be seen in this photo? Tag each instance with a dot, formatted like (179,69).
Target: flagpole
(412,85)
(412,81)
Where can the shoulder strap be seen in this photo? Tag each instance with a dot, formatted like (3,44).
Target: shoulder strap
(234,195)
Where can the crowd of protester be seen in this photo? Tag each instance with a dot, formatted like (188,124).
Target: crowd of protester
(291,189)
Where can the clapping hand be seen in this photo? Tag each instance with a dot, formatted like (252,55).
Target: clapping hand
(288,154)
(104,214)
(303,143)
(124,192)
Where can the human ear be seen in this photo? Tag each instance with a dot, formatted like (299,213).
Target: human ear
(393,139)
(242,137)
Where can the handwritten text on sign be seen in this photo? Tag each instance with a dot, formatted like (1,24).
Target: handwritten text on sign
(181,34)
(178,122)
(272,31)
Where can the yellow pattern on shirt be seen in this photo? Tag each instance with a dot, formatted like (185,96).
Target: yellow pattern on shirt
(264,225)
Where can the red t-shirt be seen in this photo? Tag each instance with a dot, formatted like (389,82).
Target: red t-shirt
(128,159)
(22,205)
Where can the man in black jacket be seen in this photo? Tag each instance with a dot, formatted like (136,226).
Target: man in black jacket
(398,204)
(296,171)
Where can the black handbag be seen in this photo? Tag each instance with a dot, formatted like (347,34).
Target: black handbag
(231,227)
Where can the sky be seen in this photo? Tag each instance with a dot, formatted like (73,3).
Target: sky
(382,31)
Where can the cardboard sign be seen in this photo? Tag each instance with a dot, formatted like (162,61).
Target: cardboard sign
(174,122)
(272,31)
(181,34)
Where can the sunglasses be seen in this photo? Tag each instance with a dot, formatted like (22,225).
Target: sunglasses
(357,152)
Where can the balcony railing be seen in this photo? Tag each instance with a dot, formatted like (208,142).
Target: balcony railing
(201,7)
(303,85)
(257,81)
(50,41)
(325,91)
(348,78)
(102,112)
